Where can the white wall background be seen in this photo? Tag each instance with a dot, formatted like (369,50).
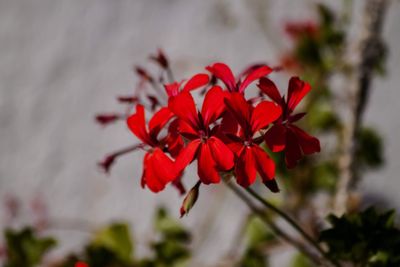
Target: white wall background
(63,61)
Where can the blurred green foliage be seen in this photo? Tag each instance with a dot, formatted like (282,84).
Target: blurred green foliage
(367,238)
(299,260)
(258,237)
(369,152)
(26,248)
(110,246)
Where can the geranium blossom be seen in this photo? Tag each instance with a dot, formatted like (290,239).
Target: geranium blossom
(225,135)
(284,135)
(212,154)
(251,157)
(224,73)
(158,168)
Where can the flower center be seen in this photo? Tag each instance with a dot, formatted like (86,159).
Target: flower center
(247,143)
(203,135)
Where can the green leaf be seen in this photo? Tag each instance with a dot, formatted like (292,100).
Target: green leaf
(257,233)
(115,238)
(366,237)
(253,257)
(25,248)
(169,227)
(369,149)
(300,260)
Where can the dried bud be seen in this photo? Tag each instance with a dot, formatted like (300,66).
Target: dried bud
(161,59)
(105,119)
(190,199)
(144,74)
(154,102)
(105,165)
(127,99)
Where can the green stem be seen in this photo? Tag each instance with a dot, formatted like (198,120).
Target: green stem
(289,220)
(274,227)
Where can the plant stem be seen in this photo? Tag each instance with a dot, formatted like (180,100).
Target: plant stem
(289,220)
(274,227)
(367,53)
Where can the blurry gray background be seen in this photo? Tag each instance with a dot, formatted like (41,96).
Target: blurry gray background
(61,62)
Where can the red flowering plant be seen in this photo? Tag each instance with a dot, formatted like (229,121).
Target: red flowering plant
(226,132)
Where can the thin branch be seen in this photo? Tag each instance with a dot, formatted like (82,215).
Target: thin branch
(367,53)
(274,227)
(293,223)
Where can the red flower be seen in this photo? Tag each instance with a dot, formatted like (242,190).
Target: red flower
(251,157)
(158,168)
(193,83)
(299,29)
(224,73)
(81,264)
(284,135)
(212,154)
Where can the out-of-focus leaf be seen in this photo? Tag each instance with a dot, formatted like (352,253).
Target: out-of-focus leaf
(169,226)
(115,238)
(25,248)
(257,232)
(366,237)
(325,176)
(300,260)
(322,117)
(253,257)
(370,149)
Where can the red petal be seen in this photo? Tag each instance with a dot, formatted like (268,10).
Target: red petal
(269,88)
(172,89)
(149,177)
(222,155)
(187,155)
(174,139)
(187,131)
(160,170)
(206,168)
(239,108)
(263,114)
(292,150)
(254,75)
(245,168)
(184,108)
(196,81)
(224,73)
(213,105)
(160,118)
(228,123)
(265,165)
(296,92)
(137,125)
(276,138)
(308,143)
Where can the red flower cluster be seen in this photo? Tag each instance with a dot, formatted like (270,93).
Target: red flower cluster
(225,134)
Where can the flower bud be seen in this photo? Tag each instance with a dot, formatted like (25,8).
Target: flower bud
(190,199)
